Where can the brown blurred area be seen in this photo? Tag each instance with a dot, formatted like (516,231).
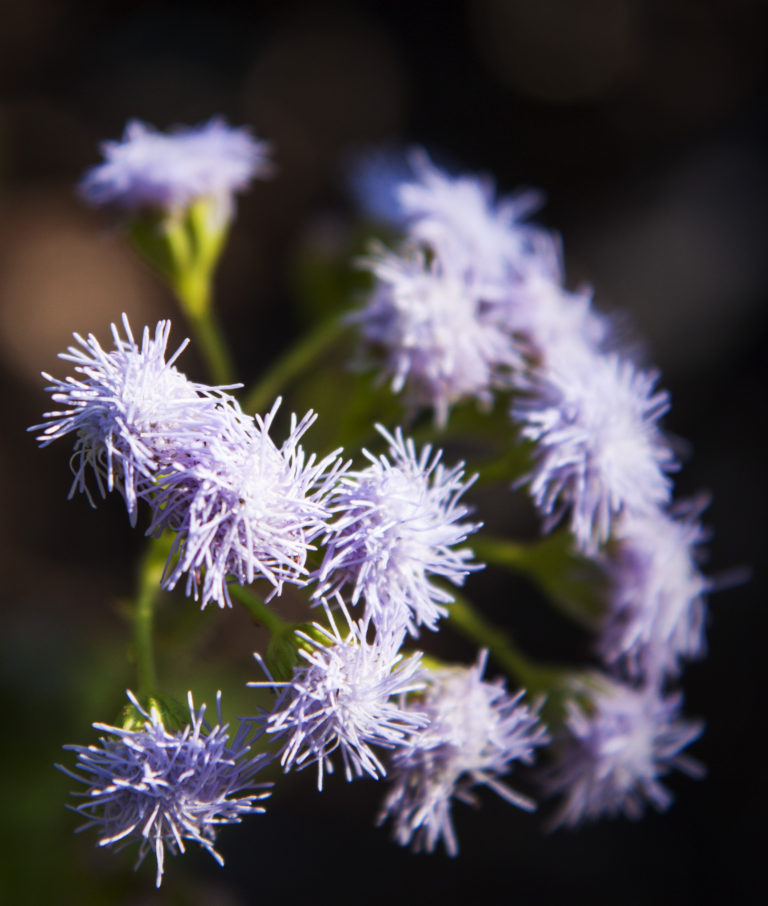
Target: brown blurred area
(646,125)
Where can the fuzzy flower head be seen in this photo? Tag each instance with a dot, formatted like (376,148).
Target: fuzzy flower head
(162,788)
(599,451)
(556,327)
(398,522)
(151,170)
(346,698)
(656,603)
(133,414)
(249,510)
(618,749)
(434,329)
(476,732)
(460,216)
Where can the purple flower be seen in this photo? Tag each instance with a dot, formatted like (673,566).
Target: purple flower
(619,745)
(460,217)
(434,328)
(556,327)
(656,601)
(249,509)
(132,412)
(343,699)
(167,171)
(599,451)
(476,731)
(163,788)
(397,524)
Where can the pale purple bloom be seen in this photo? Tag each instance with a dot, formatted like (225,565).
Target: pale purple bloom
(149,169)
(616,750)
(345,699)
(476,733)
(397,524)
(460,217)
(556,326)
(132,412)
(162,787)
(250,509)
(656,598)
(435,329)
(599,451)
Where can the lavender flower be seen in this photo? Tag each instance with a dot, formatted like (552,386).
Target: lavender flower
(599,451)
(656,604)
(132,412)
(460,217)
(152,170)
(343,700)
(556,327)
(397,525)
(162,788)
(250,509)
(435,329)
(476,732)
(619,746)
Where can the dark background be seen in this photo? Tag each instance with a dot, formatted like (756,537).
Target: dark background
(644,123)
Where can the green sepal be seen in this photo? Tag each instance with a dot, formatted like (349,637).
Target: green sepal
(173,714)
(183,246)
(282,654)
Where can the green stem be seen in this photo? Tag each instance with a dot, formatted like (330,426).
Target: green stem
(195,297)
(296,360)
(262,614)
(150,573)
(466,620)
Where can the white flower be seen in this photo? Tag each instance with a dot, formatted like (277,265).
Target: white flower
(434,327)
(656,600)
(618,746)
(476,732)
(397,524)
(344,699)
(599,451)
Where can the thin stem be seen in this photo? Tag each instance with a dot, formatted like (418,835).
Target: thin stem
(195,295)
(150,573)
(291,364)
(467,621)
(262,614)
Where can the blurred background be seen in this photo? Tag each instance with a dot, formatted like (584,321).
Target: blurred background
(645,125)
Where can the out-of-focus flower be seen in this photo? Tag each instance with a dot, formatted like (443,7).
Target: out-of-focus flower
(435,330)
(344,699)
(163,787)
(599,451)
(153,170)
(397,524)
(476,732)
(556,327)
(133,414)
(618,746)
(251,509)
(460,217)
(656,600)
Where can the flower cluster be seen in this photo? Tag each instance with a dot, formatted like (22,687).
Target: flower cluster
(241,507)
(600,461)
(164,787)
(471,306)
